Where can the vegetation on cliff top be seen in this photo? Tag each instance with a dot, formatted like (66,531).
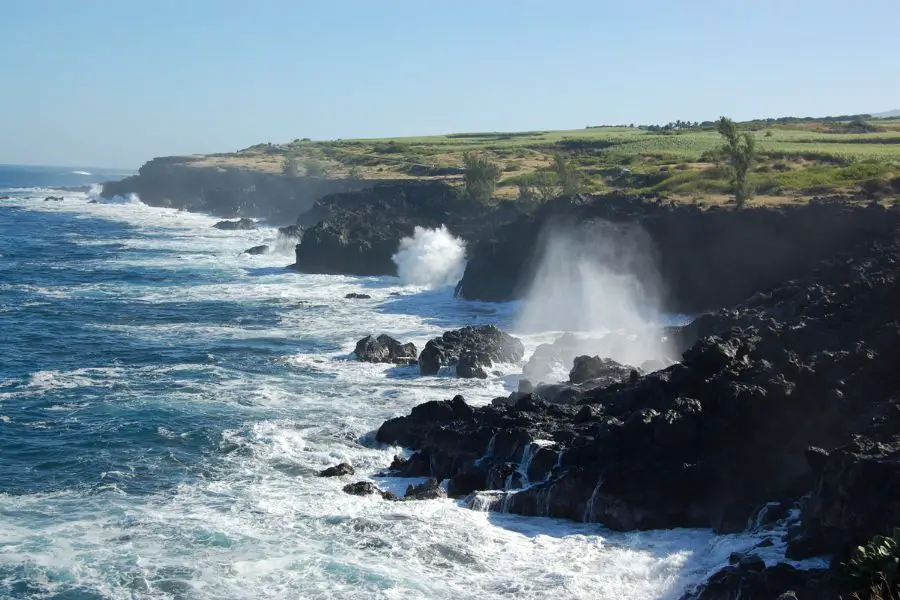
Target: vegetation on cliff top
(796,159)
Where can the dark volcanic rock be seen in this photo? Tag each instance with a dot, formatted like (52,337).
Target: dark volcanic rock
(385,349)
(473,348)
(263,249)
(856,495)
(359,233)
(430,490)
(53,199)
(752,580)
(291,231)
(604,371)
(707,442)
(338,471)
(367,488)
(239,225)
(357,296)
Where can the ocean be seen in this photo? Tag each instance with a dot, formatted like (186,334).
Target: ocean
(166,401)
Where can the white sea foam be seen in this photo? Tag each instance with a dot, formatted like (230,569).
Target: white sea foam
(259,523)
(431,258)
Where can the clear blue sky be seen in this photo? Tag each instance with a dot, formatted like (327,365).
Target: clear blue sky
(116,82)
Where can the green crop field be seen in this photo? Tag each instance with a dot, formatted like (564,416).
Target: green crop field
(795,160)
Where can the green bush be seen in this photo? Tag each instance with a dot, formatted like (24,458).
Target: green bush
(481,176)
(876,562)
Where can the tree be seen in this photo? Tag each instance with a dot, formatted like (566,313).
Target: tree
(481,176)
(290,167)
(740,152)
(568,178)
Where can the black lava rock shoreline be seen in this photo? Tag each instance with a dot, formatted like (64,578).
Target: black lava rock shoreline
(789,399)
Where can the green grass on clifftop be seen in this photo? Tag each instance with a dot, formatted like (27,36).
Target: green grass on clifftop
(796,160)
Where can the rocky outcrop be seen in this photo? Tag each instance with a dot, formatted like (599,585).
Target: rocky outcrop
(707,259)
(709,441)
(358,233)
(368,488)
(385,349)
(262,249)
(357,296)
(604,371)
(856,495)
(470,349)
(752,580)
(339,470)
(239,225)
(430,490)
(179,182)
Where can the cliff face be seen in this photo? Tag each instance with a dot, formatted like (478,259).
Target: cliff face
(358,233)
(227,192)
(706,259)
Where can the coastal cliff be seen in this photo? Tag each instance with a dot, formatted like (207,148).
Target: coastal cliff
(180,182)
(707,259)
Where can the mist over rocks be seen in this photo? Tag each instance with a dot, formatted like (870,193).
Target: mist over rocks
(704,259)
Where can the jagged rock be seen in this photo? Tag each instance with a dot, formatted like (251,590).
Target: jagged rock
(291,231)
(856,495)
(357,296)
(481,347)
(338,470)
(385,349)
(430,490)
(263,249)
(603,371)
(243,224)
(755,581)
(53,199)
(367,488)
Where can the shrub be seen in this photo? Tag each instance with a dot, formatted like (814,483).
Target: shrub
(313,168)
(546,184)
(568,179)
(290,166)
(355,172)
(481,176)
(876,562)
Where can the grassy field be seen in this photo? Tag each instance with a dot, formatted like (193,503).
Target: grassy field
(796,161)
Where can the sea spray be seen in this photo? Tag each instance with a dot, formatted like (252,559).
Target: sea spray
(598,278)
(430,258)
(95,196)
(287,240)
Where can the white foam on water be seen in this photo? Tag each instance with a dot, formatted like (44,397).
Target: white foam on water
(261,524)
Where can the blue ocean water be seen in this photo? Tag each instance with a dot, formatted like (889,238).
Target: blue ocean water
(165,402)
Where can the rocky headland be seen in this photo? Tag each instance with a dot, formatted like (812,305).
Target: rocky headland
(783,413)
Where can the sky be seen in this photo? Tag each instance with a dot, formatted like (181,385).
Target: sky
(114,83)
